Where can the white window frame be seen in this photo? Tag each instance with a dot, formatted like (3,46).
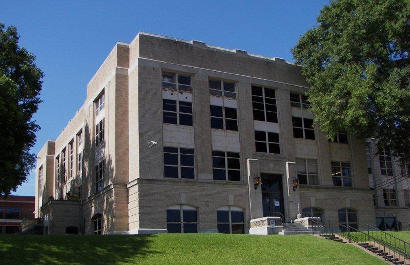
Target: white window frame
(231,209)
(180,166)
(342,166)
(224,93)
(178,112)
(99,103)
(302,101)
(390,198)
(267,142)
(181,209)
(227,168)
(265,111)
(309,175)
(385,160)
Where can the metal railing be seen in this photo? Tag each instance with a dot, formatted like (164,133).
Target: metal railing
(382,242)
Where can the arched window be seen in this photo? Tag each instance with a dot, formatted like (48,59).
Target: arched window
(347,217)
(313,212)
(182,219)
(97,222)
(230,220)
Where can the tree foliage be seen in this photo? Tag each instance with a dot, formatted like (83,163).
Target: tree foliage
(20,85)
(356,63)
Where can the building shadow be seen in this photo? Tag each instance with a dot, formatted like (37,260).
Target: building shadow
(71,249)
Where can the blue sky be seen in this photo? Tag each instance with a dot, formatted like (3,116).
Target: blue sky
(72,38)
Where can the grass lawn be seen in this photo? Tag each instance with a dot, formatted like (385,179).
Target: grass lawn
(179,249)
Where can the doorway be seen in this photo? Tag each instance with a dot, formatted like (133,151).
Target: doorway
(272,195)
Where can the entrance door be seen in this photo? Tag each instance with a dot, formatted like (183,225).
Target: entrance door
(272,195)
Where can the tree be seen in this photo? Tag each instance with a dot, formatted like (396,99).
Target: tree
(20,85)
(356,63)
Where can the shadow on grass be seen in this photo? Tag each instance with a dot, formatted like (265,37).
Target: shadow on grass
(31,249)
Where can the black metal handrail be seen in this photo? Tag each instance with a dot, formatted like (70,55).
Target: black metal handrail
(356,235)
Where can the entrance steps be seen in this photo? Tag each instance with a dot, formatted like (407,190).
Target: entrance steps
(297,229)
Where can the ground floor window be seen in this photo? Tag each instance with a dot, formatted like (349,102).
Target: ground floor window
(386,223)
(97,222)
(230,220)
(347,218)
(313,212)
(182,219)
(12,229)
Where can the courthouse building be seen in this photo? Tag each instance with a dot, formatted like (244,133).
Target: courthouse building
(181,136)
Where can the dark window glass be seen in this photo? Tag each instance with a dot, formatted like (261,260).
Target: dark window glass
(187,160)
(230,113)
(310,134)
(223,217)
(217,123)
(187,172)
(170,117)
(269,93)
(297,122)
(234,175)
(274,148)
(169,105)
(273,137)
(260,136)
(223,228)
(233,163)
(261,147)
(308,123)
(237,216)
(185,119)
(343,138)
(173,216)
(215,84)
(184,79)
(218,153)
(257,91)
(298,132)
(218,162)
(190,228)
(229,86)
(174,228)
(171,172)
(232,154)
(302,179)
(258,115)
(190,216)
(185,107)
(337,181)
(271,117)
(219,174)
(170,149)
(12,213)
(216,111)
(12,229)
(171,159)
(238,229)
(231,125)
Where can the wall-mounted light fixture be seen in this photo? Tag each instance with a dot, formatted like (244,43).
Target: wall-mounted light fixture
(295,184)
(256,182)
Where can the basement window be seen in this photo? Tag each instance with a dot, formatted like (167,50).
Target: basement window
(182,219)
(230,220)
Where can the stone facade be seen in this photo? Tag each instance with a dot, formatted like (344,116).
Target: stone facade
(387,175)
(133,195)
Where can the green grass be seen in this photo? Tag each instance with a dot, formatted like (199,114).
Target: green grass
(403,235)
(179,249)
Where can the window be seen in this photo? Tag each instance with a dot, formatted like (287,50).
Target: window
(80,164)
(71,158)
(386,168)
(182,219)
(97,223)
(341,174)
(63,165)
(298,100)
(99,104)
(307,171)
(405,167)
(58,177)
(340,138)
(406,198)
(221,88)
(389,196)
(224,118)
(267,142)
(264,104)
(173,81)
(99,133)
(99,176)
(230,220)
(80,138)
(12,213)
(313,212)
(177,112)
(226,166)
(347,217)
(303,128)
(12,229)
(179,162)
